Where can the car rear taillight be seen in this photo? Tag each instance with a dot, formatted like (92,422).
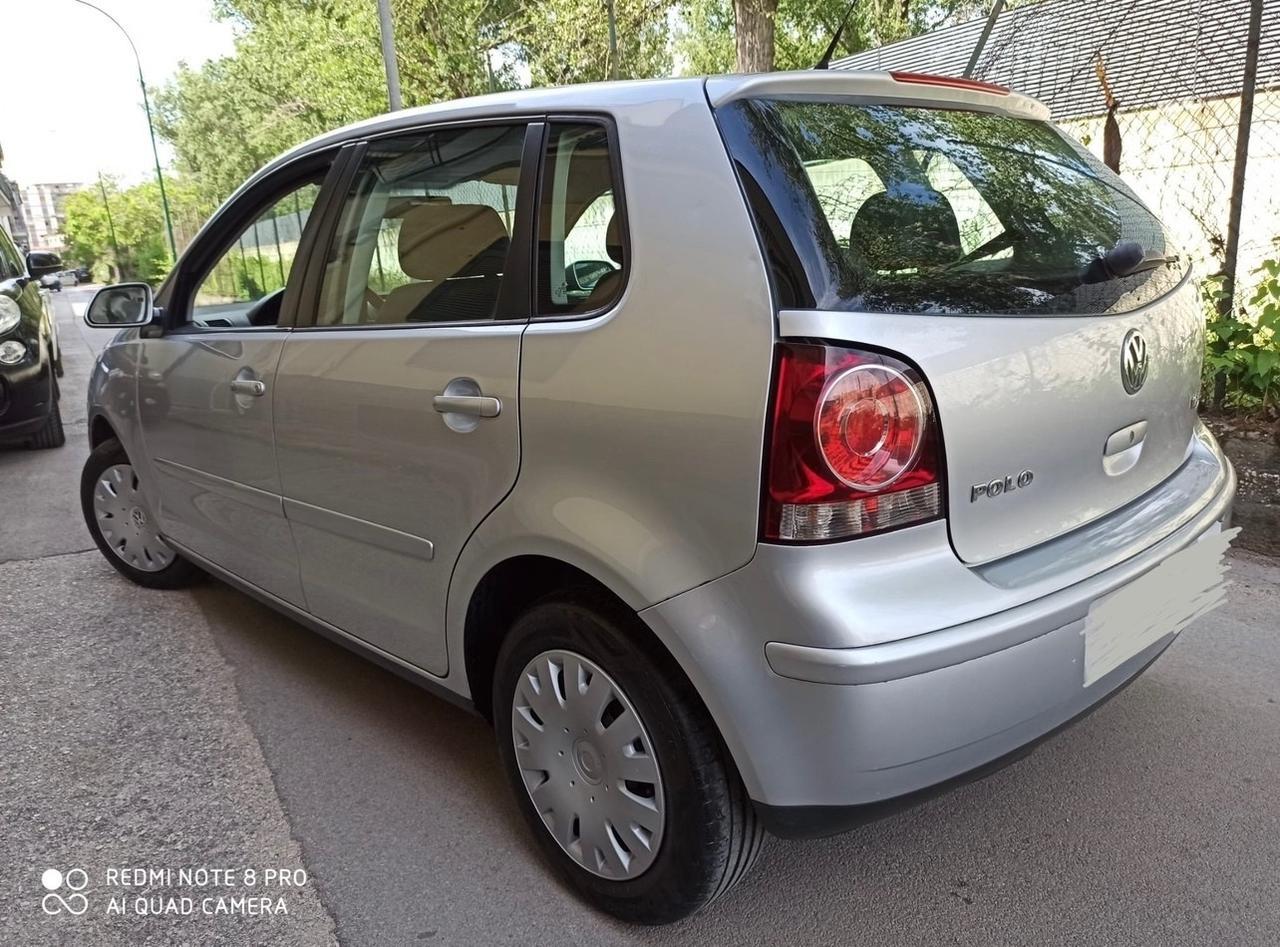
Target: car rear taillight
(853,446)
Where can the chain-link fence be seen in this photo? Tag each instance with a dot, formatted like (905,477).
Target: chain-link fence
(1156,87)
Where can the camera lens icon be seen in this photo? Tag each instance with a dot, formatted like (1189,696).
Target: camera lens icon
(75,881)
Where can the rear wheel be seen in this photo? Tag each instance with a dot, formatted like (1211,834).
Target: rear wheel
(616,765)
(123,524)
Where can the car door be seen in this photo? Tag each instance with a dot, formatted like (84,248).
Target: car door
(206,383)
(396,414)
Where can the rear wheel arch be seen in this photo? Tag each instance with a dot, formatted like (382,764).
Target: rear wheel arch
(510,588)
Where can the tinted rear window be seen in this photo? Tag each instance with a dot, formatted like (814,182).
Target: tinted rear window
(902,209)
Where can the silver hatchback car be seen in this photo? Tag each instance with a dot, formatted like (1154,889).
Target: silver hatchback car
(758,453)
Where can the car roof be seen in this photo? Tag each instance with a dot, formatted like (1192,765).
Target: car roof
(615,96)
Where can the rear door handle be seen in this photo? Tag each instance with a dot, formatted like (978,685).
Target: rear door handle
(249,386)
(476,406)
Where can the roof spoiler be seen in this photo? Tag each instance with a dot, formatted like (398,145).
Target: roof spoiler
(869,87)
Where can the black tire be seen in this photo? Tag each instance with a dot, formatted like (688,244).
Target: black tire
(178,574)
(711,836)
(51,435)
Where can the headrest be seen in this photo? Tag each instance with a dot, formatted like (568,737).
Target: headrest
(613,239)
(907,227)
(438,240)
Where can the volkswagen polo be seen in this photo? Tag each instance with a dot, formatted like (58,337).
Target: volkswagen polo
(756,453)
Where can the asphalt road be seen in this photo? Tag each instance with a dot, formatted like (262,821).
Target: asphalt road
(198,729)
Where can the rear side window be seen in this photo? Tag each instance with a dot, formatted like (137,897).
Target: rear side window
(902,209)
(581,247)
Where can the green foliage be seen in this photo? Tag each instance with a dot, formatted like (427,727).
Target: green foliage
(140,248)
(244,275)
(88,238)
(704,37)
(298,70)
(567,41)
(448,49)
(303,68)
(1246,350)
(704,42)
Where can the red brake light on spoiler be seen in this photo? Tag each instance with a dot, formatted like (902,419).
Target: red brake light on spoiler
(952,82)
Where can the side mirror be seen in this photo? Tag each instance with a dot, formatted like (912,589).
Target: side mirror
(584,274)
(125,304)
(42,263)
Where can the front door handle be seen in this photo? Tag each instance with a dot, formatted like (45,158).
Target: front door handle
(249,386)
(476,406)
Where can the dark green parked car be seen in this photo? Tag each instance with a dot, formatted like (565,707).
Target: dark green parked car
(30,360)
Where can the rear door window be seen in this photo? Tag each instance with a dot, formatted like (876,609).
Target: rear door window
(905,209)
(425,234)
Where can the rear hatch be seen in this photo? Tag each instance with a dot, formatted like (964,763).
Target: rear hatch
(1038,296)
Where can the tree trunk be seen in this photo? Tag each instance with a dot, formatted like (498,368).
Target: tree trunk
(753,33)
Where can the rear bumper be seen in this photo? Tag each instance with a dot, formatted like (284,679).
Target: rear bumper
(829,729)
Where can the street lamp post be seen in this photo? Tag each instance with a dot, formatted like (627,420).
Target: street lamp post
(111,227)
(146,104)
(389,54)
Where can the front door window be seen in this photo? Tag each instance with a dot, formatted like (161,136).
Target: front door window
(245,287)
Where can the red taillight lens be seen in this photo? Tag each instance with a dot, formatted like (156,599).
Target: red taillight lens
(853,446)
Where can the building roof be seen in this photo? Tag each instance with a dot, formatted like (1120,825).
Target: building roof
(1155,52)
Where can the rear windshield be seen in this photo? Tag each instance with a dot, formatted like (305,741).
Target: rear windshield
(902,209)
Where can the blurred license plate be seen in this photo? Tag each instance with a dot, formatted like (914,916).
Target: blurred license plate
(1163,601)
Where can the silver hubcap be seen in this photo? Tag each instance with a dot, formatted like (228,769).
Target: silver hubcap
(126,523)
(588,764)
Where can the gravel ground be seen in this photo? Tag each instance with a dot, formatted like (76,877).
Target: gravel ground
(123,746)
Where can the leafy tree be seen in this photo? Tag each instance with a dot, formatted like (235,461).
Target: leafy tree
(298,70)
(449,49)
(567,41)
(303,67)
(762,35)
(140,249)
(1244,348)
(88,235)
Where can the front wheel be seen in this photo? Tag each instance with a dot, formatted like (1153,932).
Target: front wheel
(123,525)
(616,765)
(51,434)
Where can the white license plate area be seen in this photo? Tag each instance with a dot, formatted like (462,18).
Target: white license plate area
(1165,600)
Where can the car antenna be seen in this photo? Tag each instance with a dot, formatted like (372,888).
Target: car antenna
(825,61)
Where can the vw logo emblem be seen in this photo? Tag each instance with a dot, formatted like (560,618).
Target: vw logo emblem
(1133,361)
